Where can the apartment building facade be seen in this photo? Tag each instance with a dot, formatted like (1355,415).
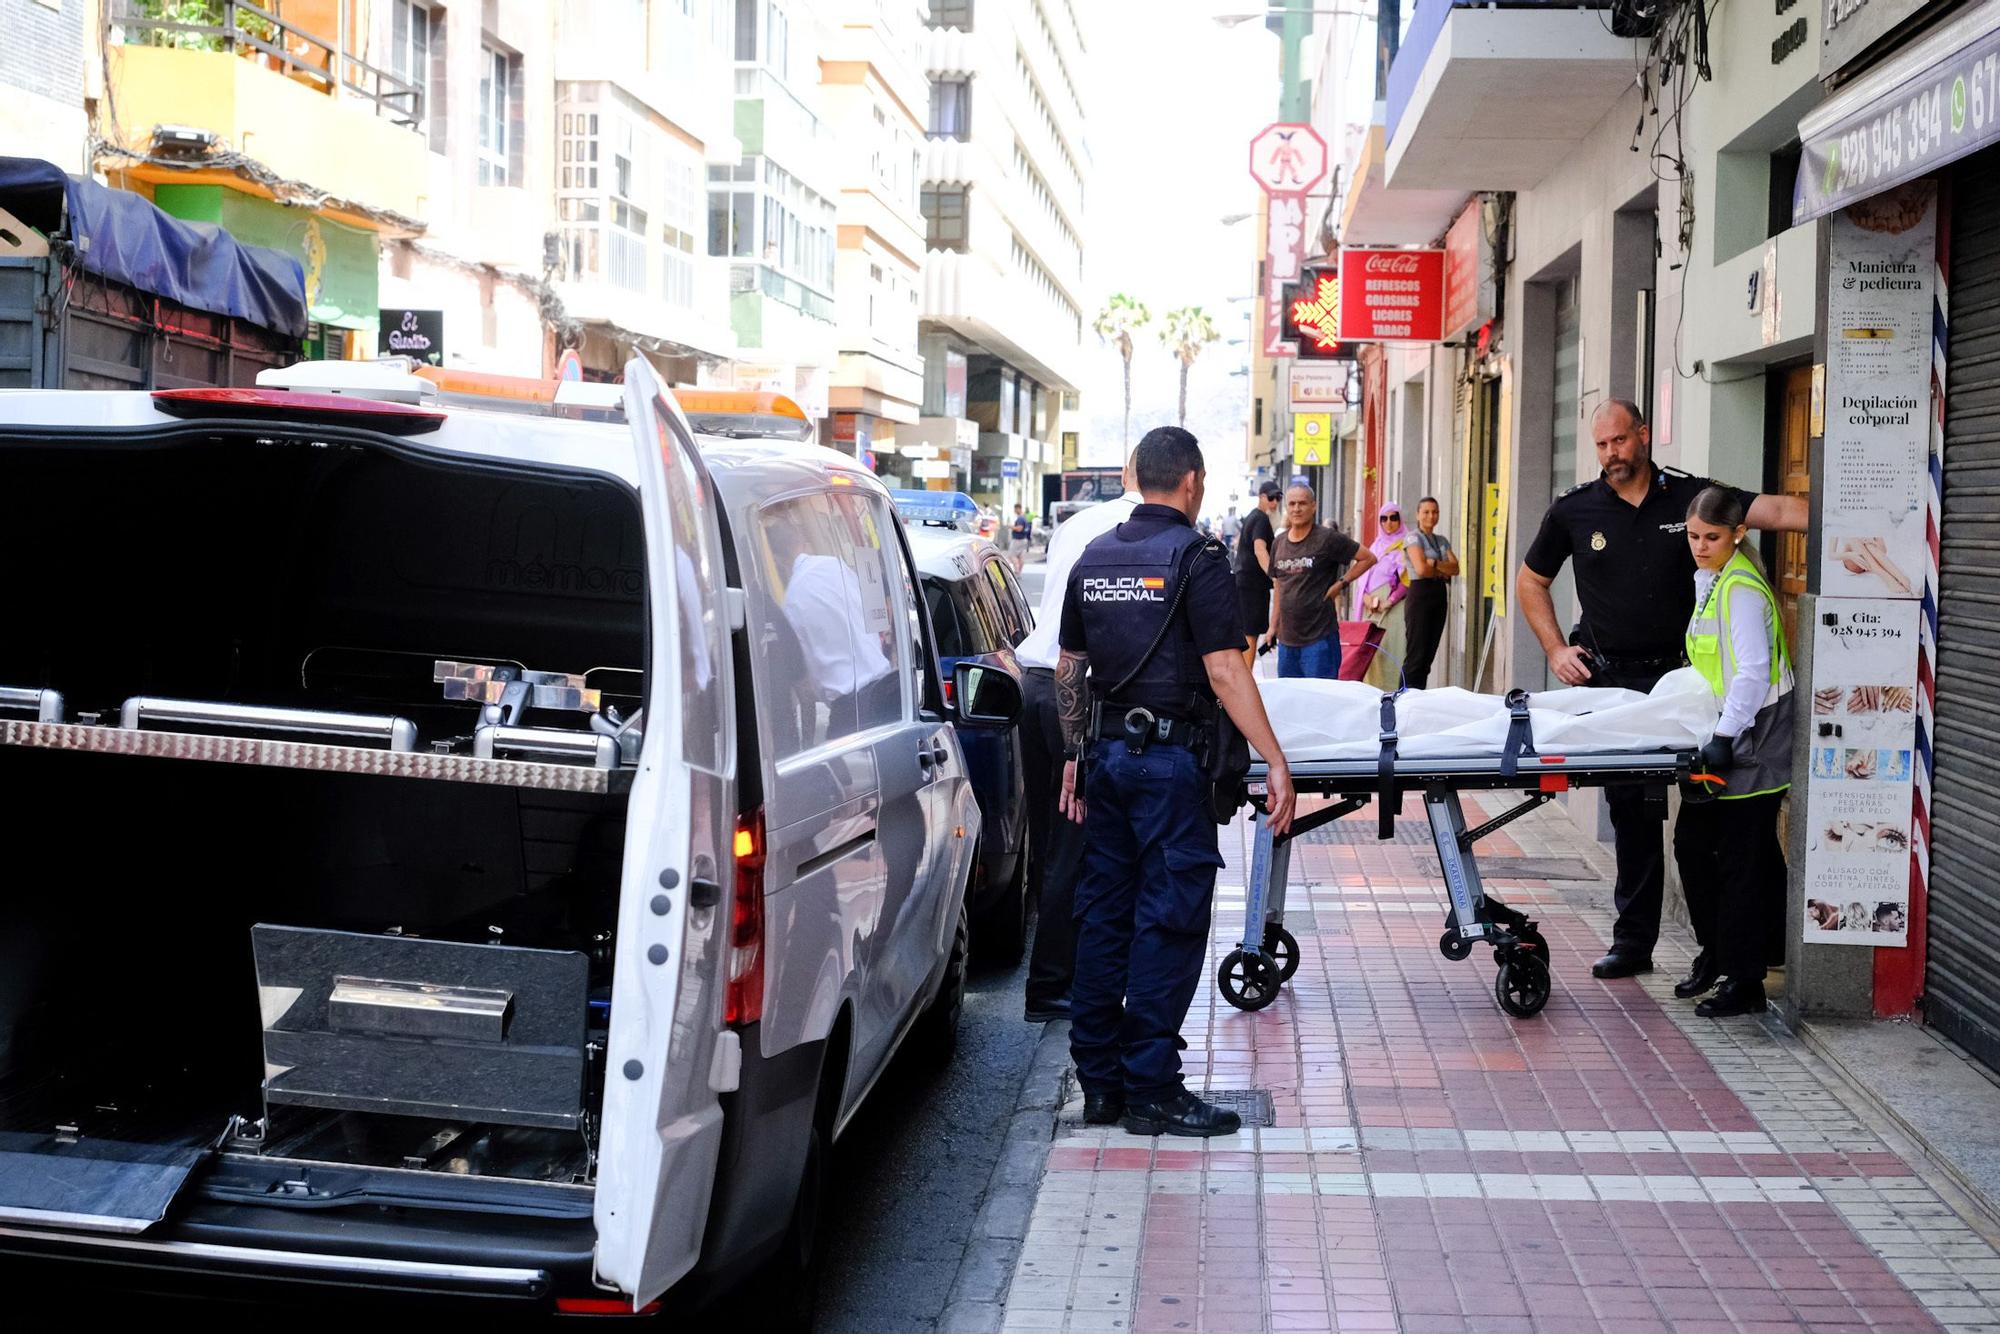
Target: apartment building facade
(773,214)
(43,67)
(643,111)
(875,96)
(1005,165)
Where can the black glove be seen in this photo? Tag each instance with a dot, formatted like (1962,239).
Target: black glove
(1718,755)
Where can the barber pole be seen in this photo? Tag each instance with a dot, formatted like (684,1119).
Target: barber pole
(1899,973)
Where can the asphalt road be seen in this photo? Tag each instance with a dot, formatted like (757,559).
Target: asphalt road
(912,1170)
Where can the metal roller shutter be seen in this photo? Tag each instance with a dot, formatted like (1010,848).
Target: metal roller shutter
(1962,982)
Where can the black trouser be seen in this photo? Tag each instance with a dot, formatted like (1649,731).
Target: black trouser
(1734,873)
(1423,627)
(1638,817)
(1055,843)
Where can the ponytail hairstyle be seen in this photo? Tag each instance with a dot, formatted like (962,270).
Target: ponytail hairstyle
(1723,506)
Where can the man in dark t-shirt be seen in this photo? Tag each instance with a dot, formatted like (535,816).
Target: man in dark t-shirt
(1626,533)
(1253,567)
(1307,561)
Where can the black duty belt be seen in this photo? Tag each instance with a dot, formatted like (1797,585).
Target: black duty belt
(1144,726)
(1618,664)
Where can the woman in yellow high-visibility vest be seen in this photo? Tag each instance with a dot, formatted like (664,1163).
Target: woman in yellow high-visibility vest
(1732,867)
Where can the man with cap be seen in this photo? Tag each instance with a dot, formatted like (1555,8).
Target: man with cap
(1626,533)
(1151,648)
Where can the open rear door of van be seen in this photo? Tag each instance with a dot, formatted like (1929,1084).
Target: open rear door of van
(668,1054)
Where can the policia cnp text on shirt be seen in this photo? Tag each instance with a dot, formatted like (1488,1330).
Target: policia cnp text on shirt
(1151,628)
(1627,534)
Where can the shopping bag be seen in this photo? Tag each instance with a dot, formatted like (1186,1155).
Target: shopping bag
(1357,648)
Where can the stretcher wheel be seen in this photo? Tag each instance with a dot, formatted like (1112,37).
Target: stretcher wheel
(1283,949)
(1522,984)
(1248,981)
(1454,946)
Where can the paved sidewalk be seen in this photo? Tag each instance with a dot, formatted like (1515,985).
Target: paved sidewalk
(1615,1163)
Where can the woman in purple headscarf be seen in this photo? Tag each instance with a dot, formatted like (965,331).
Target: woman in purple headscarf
(1381,592)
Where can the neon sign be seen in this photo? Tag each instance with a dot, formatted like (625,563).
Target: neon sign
(1317,314)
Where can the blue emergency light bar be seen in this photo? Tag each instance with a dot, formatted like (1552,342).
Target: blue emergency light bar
(953,509)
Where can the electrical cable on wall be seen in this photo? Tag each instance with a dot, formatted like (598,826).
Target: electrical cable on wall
(1676,59)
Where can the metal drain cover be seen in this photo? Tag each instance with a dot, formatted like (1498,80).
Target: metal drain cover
(1253,1105)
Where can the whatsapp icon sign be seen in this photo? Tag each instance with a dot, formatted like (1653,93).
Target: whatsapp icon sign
(1958,104)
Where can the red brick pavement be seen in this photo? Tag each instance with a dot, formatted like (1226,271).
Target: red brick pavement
(1387,1217)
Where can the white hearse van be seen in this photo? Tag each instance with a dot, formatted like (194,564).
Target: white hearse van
(456,853)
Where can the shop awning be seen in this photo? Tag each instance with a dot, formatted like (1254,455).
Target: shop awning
(1929,105)
(123,237)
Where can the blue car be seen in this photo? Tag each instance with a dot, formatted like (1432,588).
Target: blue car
(979,613)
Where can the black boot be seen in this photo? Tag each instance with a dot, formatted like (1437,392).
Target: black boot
(1622,962)
(1180,1114)
(1733,997)
(1701,976)
(1103,1109)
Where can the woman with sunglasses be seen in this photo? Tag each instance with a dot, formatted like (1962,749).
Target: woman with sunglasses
(1382,591)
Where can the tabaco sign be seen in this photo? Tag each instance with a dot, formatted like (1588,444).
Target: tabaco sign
(1392,296)
(418,334)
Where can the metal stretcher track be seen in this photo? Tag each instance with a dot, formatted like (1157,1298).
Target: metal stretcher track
(314,756)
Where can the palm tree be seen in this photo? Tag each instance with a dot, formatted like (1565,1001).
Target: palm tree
(1185,332)
(1122,317)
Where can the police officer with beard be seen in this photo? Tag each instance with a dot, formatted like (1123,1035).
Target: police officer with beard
(1152,645)
(1625,535)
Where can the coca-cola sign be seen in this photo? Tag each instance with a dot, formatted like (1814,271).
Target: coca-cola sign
(1391,296)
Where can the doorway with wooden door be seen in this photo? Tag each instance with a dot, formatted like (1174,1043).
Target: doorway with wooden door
(1787,471)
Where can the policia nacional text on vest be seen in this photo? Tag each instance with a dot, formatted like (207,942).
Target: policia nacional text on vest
(1151,687)
(1761,752)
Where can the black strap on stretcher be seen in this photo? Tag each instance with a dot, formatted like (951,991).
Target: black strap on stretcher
(1520,736)
(1388,794)
(1388,798)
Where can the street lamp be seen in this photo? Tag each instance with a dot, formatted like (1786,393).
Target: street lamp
(1231,219)
(1232,20)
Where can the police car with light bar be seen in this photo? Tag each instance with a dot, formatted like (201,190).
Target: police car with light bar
(482,854)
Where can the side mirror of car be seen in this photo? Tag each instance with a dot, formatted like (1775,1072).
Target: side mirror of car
(987,696)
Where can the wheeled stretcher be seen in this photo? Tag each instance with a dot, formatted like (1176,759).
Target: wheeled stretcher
(1251,975)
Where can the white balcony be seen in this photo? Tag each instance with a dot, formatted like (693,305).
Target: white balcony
(1378,215)
(620,283)
(988,303)
(1494,99)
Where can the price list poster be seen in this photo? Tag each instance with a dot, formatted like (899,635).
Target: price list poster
(1858,786)
(1881,286)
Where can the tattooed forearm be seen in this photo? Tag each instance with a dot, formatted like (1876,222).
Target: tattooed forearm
(1073,697)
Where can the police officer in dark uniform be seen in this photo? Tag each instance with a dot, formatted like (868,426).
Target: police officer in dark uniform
(1626,532)
(1141,675)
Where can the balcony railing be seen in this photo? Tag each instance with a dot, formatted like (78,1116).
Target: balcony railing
(788,291)
(255,33)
